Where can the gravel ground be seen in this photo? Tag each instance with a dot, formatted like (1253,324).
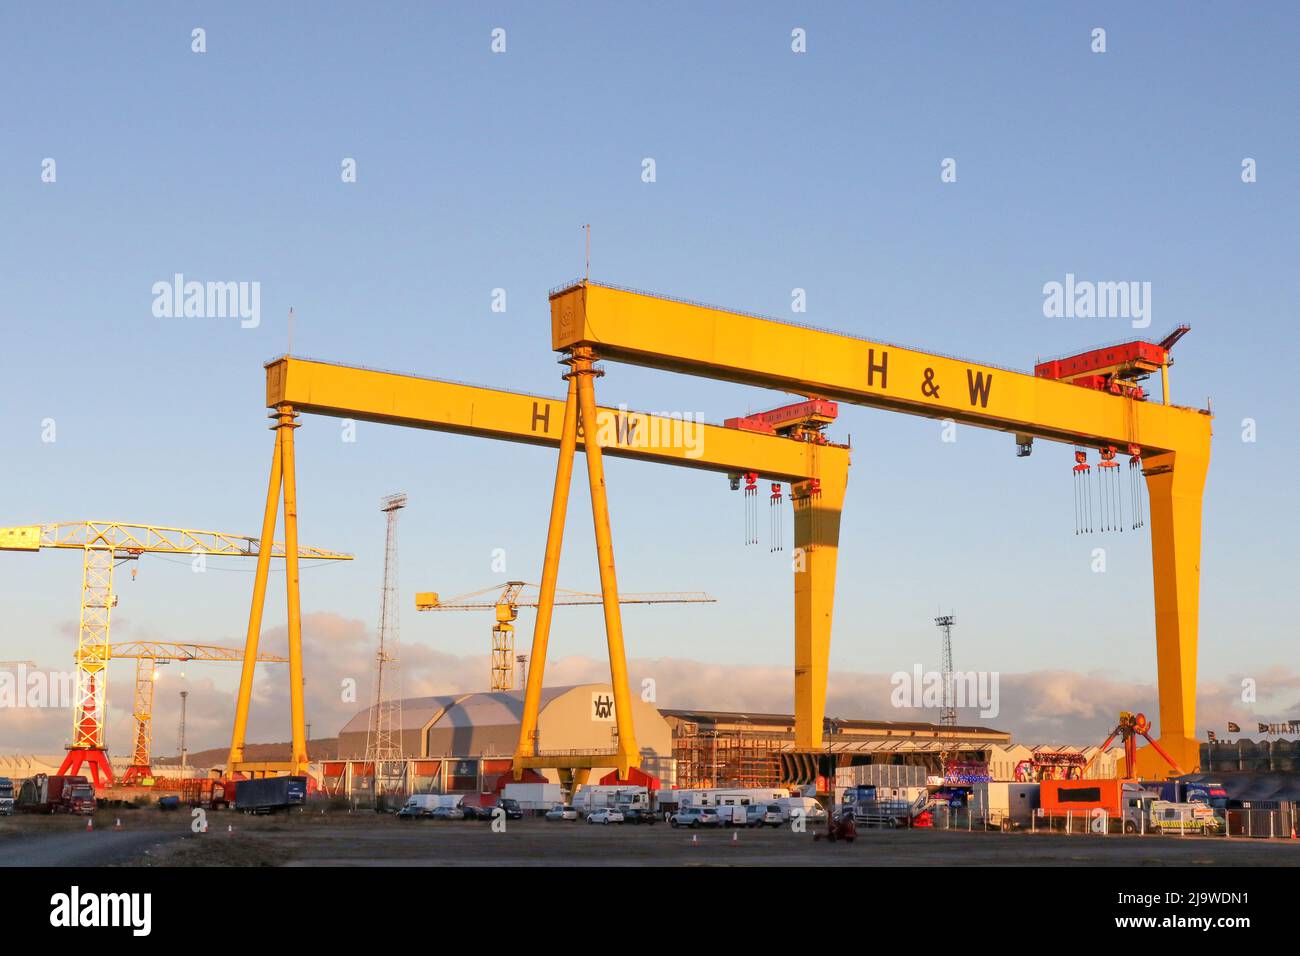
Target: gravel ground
(341,839)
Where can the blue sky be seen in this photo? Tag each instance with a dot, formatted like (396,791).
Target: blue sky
(775,170)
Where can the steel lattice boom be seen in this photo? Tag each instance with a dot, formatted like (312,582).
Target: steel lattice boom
(148,655)
(511,596)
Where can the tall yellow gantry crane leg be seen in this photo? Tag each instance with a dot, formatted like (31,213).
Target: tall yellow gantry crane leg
(637,328)
(283,478)
(818,476)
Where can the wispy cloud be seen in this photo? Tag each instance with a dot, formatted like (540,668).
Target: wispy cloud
(1036,707)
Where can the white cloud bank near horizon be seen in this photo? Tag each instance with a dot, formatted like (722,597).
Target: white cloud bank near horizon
(1038,707)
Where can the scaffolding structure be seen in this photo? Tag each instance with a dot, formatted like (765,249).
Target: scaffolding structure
(714,758)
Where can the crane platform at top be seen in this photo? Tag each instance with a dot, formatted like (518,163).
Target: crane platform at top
(1119,369)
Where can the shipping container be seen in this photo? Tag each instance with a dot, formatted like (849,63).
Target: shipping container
(880,775)
(269,794)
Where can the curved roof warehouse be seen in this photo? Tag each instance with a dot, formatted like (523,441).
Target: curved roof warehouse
(485,725)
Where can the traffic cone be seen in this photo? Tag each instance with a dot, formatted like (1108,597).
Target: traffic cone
(90,824)
(735,838)
(230,830)
(117,824)
(695,839)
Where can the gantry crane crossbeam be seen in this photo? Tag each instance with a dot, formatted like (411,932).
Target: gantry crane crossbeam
(390,398)
(643,329)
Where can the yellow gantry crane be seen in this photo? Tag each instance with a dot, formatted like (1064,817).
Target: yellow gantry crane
(817,471)
(148,655)
(105,544)
(592,321)
(513,595)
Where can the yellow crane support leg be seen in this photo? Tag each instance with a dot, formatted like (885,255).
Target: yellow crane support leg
(628,754)
(816,540)
(527,746)
(139,770)
(299,758)
(254,632)
(1175,484)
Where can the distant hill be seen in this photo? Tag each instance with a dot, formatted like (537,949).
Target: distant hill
(323,749)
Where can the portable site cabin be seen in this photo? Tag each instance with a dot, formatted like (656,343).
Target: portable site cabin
(1005,804)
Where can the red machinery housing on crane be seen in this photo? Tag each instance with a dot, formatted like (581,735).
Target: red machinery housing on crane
(1117,369)
(803,421)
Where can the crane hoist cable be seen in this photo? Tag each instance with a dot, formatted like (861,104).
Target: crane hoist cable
(1108,489)
(1082,493)
(776,518)
(751,507)
(1137,486)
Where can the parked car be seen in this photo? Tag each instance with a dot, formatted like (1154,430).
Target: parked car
(606,815)
(638,815)
(448,813)
(472,811)
(764,815)
(561,812)
(695,817)
(511,808)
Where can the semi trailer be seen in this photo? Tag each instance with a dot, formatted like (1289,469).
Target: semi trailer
(44,793)
(270,794)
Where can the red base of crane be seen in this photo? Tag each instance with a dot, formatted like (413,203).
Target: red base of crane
(136,774)
(96,758)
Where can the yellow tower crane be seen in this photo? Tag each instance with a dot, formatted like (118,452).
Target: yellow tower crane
(105,544)
(148,655)
(512,597)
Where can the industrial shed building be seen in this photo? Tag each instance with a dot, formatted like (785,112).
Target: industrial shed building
(464,742)
(725,748)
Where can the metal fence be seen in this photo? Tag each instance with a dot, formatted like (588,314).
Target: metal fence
(1238,824)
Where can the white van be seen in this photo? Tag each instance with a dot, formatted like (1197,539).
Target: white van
(813,812)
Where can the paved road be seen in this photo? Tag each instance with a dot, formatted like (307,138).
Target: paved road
(79,848)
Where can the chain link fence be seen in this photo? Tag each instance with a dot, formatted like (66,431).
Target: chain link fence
(1272,823)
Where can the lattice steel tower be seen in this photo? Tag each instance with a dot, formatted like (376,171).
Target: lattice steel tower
(948,716)
(384,734)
